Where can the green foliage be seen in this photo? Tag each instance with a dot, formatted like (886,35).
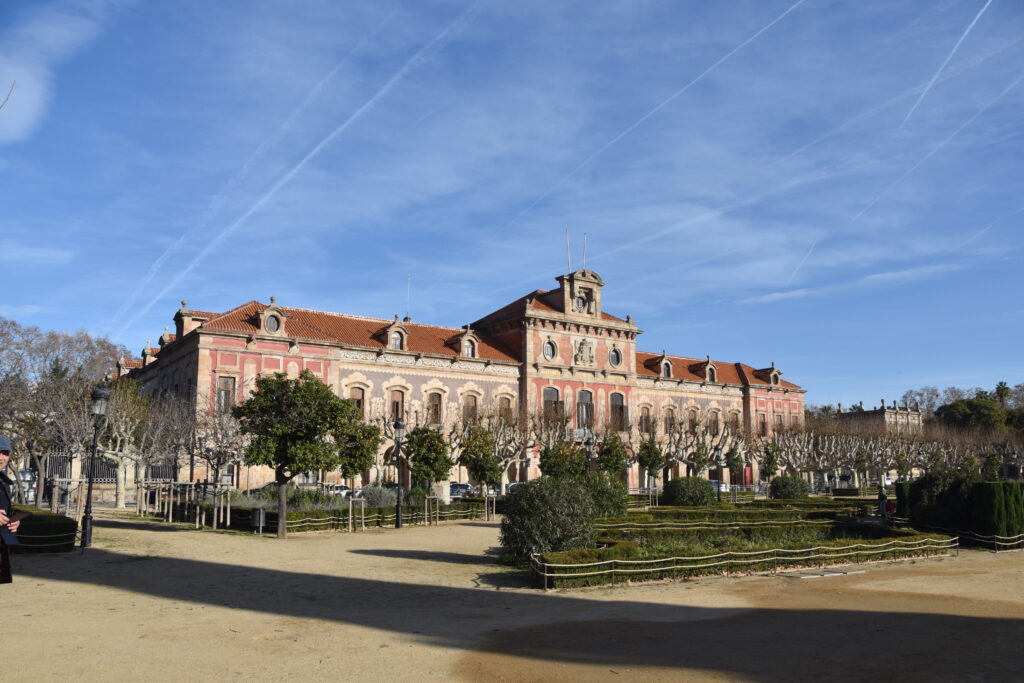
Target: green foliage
(770,460)
(479,458)
(990,466)
(607,492)
(734,462)
(562,460)
(547,514)
(650,457)
(428,455)
(688,491)
(358,448)
(903,499)
(943,499)
(298,425)
(612,455)
(700,458)
(975,414)
(60,530)
(376,495)
(788,487)
(295,424)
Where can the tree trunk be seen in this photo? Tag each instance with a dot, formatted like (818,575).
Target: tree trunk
(282,505)
(121,484)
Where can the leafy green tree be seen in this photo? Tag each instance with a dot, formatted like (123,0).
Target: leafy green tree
(770,460)
(562,460)
(1002,393)
(975,414)
(478,456)
(734,461)
(428,456)
(650,457)
(612,455)
(788,487)
(990,466)
(297,425)
(358,448)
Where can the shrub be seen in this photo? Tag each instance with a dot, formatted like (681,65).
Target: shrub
(562,460)
(607,493)
(547,514)
(378,496)
(45,532)
(789,486)
(688,491)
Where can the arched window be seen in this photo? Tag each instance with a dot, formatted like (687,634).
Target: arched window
(619,417)
(552,406)
(670,420)
(713,423)
(397,404)
(775,378)
(666,370)
(733,422)
(712,375)
(469,407)
(357,395)
(469,348)
(434,408)
(691,420)
(505,408)
(584,410)
(646,425)
(395,341)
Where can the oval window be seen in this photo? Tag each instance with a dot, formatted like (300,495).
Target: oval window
(273,323)
(615,357)
(550,350)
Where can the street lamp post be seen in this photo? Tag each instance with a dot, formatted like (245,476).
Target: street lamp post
(100,397)
(399,434)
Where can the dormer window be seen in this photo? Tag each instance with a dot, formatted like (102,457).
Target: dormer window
(775,378)
(396,341)
(666,370)
(272,324)
(469,348)
(712,374)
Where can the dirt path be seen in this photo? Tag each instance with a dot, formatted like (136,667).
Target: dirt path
(155,602)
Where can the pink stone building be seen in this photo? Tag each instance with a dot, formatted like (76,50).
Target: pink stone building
(551,349)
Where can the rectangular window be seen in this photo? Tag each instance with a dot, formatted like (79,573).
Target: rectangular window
(469,408)
(434,408)
(397,404)
(225,393)
(357,396)
(778,423)
(762,424)
(505,409)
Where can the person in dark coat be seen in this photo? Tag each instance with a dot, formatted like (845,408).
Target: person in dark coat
(7,527)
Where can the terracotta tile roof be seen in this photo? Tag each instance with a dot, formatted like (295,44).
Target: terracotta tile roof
(204,315)
(693,369)
(352,329)
(131,362)
(537,300)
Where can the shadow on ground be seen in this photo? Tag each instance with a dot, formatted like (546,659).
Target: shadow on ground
(760,644)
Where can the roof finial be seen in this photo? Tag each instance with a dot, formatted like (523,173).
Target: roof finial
(396,317)
(273,299)
(184,303)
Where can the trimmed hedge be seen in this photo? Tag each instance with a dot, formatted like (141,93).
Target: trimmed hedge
(985,508)
(45,532)
(865,491)
(788,487)
(332,519)
(661,545)
(688,491)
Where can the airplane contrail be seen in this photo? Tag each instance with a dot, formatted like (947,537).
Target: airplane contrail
(664,103)
(802,261)
(243,171)
(936,148)
(944,63)
(436,42)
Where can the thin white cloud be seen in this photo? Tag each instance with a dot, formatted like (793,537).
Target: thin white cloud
(421,55)
(936,148)
(945,62)
(905,275)
(20,311)
(664,103)
(29,53)
(21,254)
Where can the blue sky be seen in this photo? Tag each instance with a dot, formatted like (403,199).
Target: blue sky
(833,186)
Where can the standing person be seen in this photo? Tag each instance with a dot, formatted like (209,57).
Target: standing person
(7,527)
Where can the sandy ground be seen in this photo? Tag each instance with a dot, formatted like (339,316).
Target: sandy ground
(156,602)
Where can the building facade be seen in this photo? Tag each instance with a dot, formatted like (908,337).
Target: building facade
(549,351)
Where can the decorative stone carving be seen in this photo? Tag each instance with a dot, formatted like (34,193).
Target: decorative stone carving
(584,353)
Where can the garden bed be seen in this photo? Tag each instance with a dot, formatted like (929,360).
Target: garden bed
(629,555)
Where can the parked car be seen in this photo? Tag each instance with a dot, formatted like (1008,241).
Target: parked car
(338,490)
(512,486)
(720,485)
(458,489)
